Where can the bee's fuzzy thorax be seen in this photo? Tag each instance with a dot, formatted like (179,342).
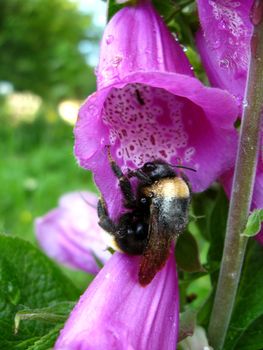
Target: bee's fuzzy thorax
(168,187)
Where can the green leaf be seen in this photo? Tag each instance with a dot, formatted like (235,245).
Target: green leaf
(248,312)
(252,338)
(56,313)
(28,279)
(253,225)
(187,253)
(46,342)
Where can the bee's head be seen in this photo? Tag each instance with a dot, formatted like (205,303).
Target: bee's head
(157,170)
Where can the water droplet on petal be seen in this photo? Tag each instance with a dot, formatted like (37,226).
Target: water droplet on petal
(116,61)
(175,36)
(109,39)
(215,44)
(92,109)
(222,25)
(245,103)
(224,63)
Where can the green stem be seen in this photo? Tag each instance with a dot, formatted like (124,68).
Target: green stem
(242,190)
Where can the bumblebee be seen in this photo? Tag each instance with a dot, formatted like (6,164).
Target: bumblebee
(156,214)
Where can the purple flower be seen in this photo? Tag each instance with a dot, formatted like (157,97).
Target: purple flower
(70,233)
(148,105)
(224,45)
(117,313)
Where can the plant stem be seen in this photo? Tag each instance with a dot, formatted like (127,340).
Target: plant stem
(242,189)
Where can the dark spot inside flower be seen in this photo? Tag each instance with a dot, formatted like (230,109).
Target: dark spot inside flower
(163,153)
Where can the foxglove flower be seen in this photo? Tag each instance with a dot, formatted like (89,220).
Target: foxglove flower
(148,106)
(70,233)
(224,45)
(117,313)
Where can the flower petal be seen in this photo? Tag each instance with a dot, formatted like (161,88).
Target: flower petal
(179,119)
(70,233)
(224,47)
(151,47)
(117,313)
(224,42)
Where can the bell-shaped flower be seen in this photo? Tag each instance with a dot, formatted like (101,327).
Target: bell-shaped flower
(224,44)
(70,233)
(150,106)
(117,313)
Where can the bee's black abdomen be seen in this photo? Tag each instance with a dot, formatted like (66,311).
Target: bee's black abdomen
(130,245)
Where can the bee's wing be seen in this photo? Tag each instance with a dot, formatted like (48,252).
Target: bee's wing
(156,251)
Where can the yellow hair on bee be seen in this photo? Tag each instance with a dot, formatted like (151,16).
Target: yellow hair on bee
(169,188)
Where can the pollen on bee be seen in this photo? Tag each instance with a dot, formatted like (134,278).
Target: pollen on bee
(110,241)
(170,187)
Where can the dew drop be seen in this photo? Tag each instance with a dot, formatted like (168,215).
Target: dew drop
(109,39)
(175,36)
(224,63)
(222,25)
(116,61)
(245,103)
(216,44)
(92,108)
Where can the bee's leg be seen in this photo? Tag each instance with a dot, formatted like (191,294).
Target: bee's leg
(140,175)
(105,221)
(124,182)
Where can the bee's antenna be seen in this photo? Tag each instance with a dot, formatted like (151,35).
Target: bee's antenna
(184,167)
(180,166)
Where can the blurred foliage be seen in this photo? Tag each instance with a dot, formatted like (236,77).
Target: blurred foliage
(37,167)
(39,44)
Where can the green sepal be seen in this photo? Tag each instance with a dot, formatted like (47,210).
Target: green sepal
(253,225)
